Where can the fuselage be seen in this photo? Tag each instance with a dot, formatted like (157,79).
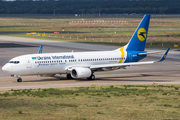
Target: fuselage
(58,63)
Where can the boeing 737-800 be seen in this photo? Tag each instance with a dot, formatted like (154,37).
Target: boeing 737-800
(83,64)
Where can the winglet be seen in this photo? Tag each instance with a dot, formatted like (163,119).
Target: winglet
(40,49)
(164,56)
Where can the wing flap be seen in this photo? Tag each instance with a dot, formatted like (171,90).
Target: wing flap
(119,65)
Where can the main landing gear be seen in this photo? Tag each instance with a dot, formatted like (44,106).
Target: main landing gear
(92,77)
(68,76)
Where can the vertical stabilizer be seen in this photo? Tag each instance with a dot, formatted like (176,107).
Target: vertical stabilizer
(138,40)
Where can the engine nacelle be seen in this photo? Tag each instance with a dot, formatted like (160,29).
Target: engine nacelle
(81,72)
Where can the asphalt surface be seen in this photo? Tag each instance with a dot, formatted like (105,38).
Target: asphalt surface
(167,72)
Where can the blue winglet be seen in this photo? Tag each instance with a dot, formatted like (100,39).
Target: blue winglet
(40,49)
(164,56)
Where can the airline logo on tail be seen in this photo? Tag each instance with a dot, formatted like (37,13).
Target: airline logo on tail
(141,34)
(164,56)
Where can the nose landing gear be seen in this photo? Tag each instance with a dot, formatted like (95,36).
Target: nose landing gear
(17,76)
(19,80)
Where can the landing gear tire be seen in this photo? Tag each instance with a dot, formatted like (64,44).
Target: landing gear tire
(19,80)
(68,76)
(92,77)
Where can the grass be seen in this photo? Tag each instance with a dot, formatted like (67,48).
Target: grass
(151,43)
(93,102)
(160,30)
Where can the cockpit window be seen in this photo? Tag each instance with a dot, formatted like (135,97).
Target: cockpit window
(15,62)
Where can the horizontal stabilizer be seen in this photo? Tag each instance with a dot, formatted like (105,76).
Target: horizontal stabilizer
(154,52)
(164,56)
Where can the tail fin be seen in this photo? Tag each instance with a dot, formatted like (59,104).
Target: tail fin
(138,40)
(40,49)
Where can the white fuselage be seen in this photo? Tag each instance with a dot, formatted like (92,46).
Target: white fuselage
(59,63)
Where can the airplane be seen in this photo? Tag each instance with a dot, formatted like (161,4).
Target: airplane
(84,64)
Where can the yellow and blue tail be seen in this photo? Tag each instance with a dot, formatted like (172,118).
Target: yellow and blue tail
(138,40)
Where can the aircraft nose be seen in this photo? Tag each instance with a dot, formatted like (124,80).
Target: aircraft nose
(5,68)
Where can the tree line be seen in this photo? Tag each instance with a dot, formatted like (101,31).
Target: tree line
(91,7)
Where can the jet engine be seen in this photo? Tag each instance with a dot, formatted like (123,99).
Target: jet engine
(81,72)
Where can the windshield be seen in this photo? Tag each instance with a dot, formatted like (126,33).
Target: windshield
(15,62)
